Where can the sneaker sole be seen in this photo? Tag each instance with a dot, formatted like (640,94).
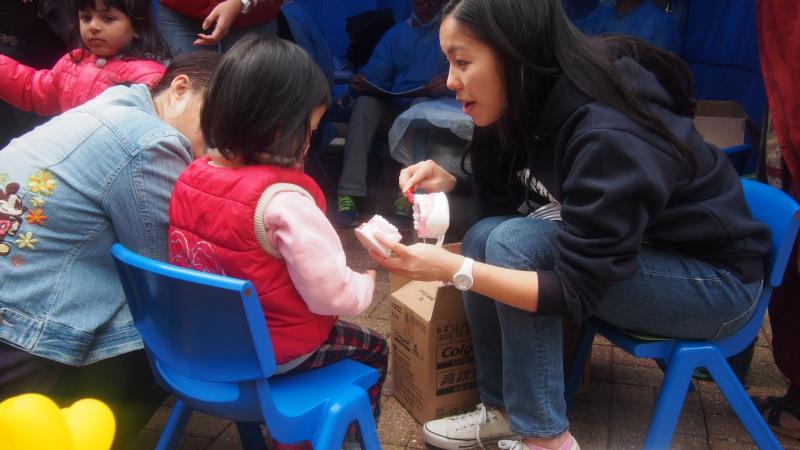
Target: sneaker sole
(446,443)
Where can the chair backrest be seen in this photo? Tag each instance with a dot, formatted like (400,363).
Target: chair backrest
(197,323)
(782,215)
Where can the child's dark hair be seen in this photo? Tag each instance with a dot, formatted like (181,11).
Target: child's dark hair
(148,43)
(199,66)
(258,103)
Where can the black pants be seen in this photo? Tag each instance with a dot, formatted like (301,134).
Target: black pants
(125,383)
(27,38)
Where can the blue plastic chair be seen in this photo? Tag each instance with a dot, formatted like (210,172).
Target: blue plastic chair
(208,343)
(782,214)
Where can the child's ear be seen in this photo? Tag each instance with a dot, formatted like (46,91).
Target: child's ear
(180,93)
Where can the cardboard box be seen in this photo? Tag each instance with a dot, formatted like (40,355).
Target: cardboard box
(432,360)
(723,123)
(433,367)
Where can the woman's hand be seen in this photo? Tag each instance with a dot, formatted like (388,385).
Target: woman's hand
(221,18)
(424,262)
(428,176)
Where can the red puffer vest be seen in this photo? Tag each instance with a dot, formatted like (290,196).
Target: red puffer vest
(216,225)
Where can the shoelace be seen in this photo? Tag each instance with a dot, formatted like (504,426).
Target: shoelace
(507,444)
(482,418)
(345,203)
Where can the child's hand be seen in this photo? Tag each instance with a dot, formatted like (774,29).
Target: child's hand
(221,18)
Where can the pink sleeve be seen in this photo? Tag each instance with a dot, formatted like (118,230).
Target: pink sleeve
(314,256)
(29,89)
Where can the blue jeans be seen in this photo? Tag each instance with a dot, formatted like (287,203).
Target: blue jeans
(180,31)
(519,354)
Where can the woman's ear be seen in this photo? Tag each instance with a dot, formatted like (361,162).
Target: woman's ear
(180,93)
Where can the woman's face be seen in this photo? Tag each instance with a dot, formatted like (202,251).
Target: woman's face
(476,74)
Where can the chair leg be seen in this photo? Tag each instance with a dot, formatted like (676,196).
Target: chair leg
(351,406)
(671,398)
(737,397)
(368,427)
(251,436)
(582,349)
(175,425)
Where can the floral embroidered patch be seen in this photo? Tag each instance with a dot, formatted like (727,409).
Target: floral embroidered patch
(12,211)
(42,182)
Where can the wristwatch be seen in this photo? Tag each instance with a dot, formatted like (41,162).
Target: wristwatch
(462,279)
(246,5)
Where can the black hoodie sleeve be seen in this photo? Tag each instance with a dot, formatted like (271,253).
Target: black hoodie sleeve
(615,183)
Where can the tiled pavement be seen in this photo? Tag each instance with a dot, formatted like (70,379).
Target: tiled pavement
(613,414)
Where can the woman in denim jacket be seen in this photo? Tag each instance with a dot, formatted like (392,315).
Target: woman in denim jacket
(97,174)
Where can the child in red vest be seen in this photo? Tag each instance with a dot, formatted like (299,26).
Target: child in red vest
(120,45)
(247,209)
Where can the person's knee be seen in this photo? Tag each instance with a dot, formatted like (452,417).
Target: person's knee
(474,243)
(366,104)
(521,243)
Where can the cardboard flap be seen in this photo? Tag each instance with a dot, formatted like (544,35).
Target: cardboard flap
(419,297)
(723,123)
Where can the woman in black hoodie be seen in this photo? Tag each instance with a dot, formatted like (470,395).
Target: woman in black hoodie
(651,230)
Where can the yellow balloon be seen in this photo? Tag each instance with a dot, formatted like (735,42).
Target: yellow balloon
(33,422)
(91,424)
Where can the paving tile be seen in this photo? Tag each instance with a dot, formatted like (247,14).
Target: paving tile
(593,405)
(625,438)
(731,444)
(600,340)
(692,420)
(417,440)
(159,419)
(602,363)
(631,406)
(203,425)
(590,435)
(763,372)
(229,439)
(382,308)
(681,441)
(623,357)
(396,426)
(148,439)
(788,443)
(637,375)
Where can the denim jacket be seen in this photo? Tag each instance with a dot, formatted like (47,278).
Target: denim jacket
(95,175)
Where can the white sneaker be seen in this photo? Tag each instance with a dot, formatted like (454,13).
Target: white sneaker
(519,445)
(468,430)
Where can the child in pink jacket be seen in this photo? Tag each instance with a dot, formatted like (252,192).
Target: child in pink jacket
(120,45)
(247,210)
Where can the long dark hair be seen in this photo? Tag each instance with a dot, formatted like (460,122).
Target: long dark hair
(258,103)
(536,44)
(671,71)
(148,43)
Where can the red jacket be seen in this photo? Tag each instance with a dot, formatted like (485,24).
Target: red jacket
(69,84)
(263,12)
(212,221)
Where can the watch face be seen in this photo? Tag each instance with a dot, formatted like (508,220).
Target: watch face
(462,281)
